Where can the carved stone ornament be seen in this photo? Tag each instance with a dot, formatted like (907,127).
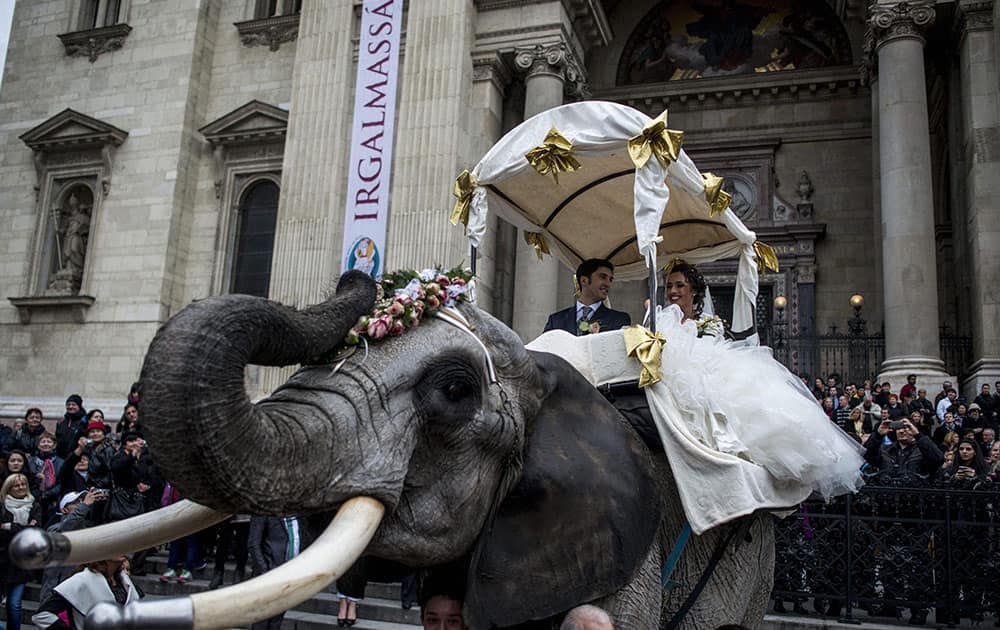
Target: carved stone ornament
(973,15)
(94,42)
(491,67)
(271,32)
(900,19)
(556,60)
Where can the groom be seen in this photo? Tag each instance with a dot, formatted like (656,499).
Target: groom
(594,277)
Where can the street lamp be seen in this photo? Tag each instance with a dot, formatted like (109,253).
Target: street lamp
(780,303)
(857,324)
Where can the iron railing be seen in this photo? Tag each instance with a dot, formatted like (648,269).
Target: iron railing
(888,548)
(855,357)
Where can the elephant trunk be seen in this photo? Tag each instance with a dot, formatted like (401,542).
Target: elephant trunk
(211,442)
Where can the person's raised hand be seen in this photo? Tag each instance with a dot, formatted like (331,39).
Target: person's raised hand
(883,427)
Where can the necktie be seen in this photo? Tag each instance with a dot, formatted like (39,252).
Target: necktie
(586,313)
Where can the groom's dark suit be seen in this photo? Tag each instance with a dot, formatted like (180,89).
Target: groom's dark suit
(608,319)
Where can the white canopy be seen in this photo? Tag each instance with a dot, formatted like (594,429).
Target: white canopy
(597,179)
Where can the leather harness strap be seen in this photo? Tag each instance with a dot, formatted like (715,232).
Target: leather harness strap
(720,548)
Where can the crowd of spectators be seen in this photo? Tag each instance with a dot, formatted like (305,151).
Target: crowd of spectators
(913,441)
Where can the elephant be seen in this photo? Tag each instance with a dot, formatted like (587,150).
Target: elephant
(481,451)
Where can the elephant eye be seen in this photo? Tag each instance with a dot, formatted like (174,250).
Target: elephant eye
(457,391)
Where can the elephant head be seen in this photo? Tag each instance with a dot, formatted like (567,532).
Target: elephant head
(478,449)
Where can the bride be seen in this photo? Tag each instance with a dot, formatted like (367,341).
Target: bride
(737,399)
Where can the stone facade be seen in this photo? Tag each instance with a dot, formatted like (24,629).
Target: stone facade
(211,97)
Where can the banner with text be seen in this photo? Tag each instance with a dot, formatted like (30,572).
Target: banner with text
(371,137)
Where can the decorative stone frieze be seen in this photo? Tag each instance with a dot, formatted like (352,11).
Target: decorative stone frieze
(555,60)
(271,31)
(93,43)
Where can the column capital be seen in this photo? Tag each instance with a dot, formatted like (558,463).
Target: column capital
(973,15)
(889,21)
(491,67)
(554,60)
(895,20)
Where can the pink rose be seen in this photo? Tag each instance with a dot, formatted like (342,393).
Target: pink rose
(396,328)
(595,328)
(418,307)
(458,282)
(413,319)
(395,309)
(433,301)
(442,280)
(378,328)
(432,288)
(442,296)
(403,299)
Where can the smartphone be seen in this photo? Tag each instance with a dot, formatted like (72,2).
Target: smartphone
(897,424)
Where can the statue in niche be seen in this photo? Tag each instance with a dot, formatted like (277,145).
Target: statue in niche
(72,227)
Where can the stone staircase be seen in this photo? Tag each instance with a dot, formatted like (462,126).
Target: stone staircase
(379,611)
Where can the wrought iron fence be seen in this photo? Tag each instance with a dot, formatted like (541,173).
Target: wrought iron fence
(889,548)
(855,357)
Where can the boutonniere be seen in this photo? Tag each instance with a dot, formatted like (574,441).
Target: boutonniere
(589,328)
(710,325)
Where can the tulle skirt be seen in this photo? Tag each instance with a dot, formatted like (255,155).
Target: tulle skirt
(738,399)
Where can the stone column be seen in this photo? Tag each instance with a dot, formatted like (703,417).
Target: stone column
(909,271)
(980,137)
(311,207)
(432,136)
(547,69)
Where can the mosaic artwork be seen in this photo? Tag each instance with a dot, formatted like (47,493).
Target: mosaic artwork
(680,40)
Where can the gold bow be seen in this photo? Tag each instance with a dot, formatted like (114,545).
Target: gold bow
(717,198)
(765,256)
(554,155)
(647,347)
(657,140)
(465,185)
(537,240)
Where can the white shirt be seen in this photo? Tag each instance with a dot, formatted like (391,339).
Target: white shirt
(943,406)
(580,306)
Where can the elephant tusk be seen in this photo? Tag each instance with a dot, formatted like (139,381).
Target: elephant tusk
(288,585)
(36,548)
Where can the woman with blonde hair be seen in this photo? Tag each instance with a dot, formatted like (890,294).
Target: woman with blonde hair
(18,510)
(859,425)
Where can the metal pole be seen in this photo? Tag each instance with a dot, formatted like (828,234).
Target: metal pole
(652,298)
(849,594)
(472,262)
(949,582)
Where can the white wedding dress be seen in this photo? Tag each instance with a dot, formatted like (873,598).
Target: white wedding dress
(741,432)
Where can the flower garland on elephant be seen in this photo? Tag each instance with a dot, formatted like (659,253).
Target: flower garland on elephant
(405,297)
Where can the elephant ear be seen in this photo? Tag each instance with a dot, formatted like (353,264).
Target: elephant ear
(581,519)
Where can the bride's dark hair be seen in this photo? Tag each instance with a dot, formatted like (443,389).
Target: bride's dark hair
(693,277)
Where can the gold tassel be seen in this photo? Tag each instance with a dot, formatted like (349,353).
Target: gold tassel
(576,285)
(465,185)
(554,155)
(765,256)
(646,347)
(717,198)
(537,240)
(657,140)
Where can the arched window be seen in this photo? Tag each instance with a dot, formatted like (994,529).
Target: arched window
(254,243)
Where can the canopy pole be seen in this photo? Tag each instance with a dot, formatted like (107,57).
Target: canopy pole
(652,298)
(472,262)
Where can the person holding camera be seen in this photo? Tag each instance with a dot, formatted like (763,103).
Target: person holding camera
(910,460)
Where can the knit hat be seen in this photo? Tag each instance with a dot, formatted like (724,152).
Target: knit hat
(96,424)
(70,497)
(75,398)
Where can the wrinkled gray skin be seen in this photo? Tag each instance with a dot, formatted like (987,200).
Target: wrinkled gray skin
(415,425)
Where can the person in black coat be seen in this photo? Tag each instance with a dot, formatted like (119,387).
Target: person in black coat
(72,427)
(272,541)
(26,436)
(594,277)
(910,460)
